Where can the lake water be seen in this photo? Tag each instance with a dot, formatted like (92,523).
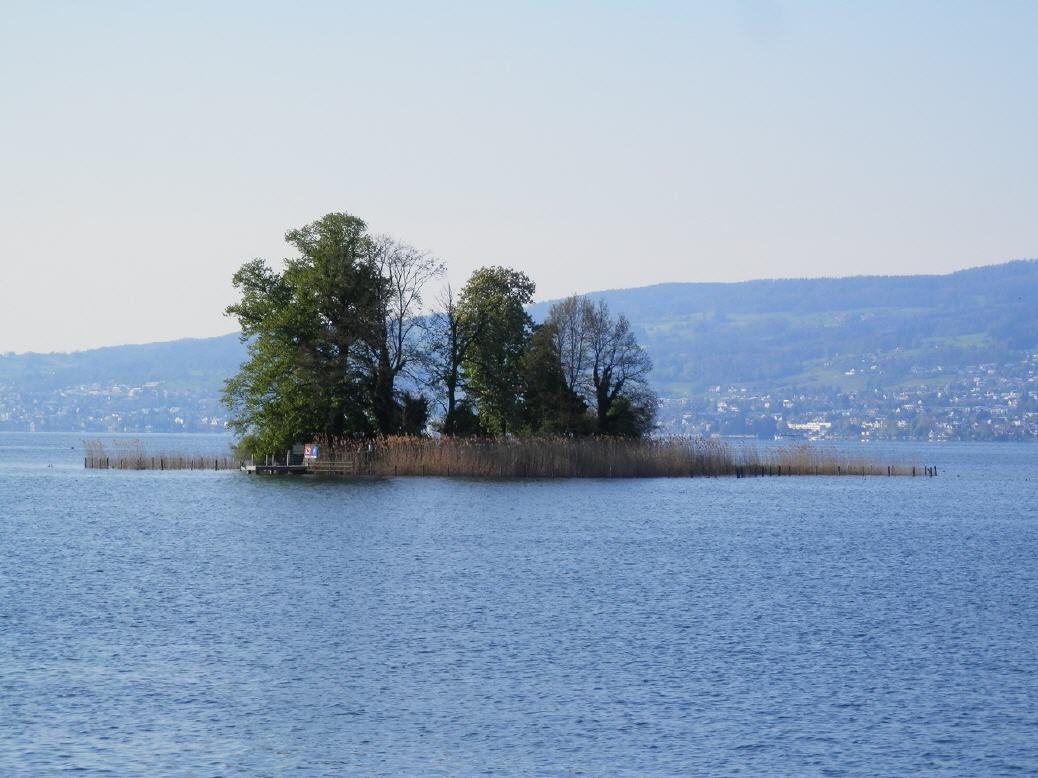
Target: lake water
(186,623)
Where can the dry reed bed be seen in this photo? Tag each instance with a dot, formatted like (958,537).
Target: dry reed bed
(541,457)
(601,458)
(132,455)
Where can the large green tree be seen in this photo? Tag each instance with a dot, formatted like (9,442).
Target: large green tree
(495,299)
(310,331)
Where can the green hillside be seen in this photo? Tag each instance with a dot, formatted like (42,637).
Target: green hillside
(844,335)
(194,364)
(806,332)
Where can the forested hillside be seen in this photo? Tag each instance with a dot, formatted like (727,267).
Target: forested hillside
(810,332)
(199,364)
(846,335)
(157,386)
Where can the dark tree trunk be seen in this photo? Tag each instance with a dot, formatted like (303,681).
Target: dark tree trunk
(603,398)
(383,406)
(448,418)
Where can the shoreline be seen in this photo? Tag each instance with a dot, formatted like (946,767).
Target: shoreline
(527,458)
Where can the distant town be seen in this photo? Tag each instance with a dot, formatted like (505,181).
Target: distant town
(150,407)
(981,402)
(990,401)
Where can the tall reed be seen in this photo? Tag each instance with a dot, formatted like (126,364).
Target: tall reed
(562,457)
(538,457)
(132,455)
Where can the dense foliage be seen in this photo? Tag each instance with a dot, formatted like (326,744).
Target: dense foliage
(339,347)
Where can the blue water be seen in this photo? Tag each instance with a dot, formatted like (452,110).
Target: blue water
(186,623)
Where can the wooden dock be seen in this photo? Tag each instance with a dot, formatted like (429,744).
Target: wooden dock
(312,467)
(252,469)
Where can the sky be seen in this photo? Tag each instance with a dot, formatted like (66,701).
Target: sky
(149,149)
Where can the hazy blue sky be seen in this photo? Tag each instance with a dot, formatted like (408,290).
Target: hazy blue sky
(147,149)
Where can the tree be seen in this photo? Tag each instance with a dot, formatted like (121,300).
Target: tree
(550,403)
(591,357)
(495,299)
(413,413)
(309,330)
(568,326)
(450,335)
(618,373)
(394,345)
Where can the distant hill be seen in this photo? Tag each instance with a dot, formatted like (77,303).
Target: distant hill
(809,331)
(173,386)
(200,364)
(844,333)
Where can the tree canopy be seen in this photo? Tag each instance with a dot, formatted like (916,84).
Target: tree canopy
(495,300)
(340,346)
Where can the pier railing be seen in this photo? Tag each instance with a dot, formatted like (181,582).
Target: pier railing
(131,461)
